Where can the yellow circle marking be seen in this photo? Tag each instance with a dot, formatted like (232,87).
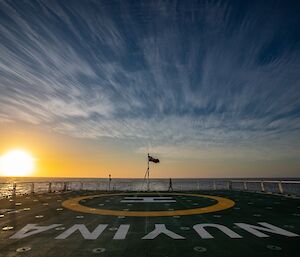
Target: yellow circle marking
(222,204)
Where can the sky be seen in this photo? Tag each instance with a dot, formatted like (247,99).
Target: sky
(211,88)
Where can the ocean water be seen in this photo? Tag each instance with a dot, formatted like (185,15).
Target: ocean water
(41,185)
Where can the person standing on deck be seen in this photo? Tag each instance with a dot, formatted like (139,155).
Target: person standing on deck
(170,185)
(109,181)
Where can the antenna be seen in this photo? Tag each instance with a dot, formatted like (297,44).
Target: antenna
(148,174)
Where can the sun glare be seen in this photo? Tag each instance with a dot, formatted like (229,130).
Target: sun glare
(16,163)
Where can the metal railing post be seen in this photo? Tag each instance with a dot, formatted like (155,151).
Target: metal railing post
(64,187)
(262,186)
(245,186)
(229,185)
(14,189)
(50,188)
(32,188)
(280,187)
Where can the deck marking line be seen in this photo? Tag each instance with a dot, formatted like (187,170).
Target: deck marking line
(148,199)
(222,204)
(121,232)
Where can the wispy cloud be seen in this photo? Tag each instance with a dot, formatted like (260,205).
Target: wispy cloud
(196,76)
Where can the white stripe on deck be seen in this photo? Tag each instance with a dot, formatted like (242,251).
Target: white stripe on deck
(148,199)
(122,232)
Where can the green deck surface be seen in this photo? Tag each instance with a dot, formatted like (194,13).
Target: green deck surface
(250,208)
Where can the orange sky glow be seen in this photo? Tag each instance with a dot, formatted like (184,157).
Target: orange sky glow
(62,156)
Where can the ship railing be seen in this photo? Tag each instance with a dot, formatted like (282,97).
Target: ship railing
(291,187)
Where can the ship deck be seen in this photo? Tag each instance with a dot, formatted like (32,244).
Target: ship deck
(158,224)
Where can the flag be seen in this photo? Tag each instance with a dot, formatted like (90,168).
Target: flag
(151,159)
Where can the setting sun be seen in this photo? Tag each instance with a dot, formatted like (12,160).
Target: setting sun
(16,163)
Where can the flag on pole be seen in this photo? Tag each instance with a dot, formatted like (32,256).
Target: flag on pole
(151,159)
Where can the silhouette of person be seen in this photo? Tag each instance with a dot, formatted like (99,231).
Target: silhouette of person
(109,181)
(170,185)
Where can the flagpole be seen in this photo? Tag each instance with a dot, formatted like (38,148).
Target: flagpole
(148,171)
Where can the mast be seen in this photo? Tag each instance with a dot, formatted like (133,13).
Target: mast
(148,171)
